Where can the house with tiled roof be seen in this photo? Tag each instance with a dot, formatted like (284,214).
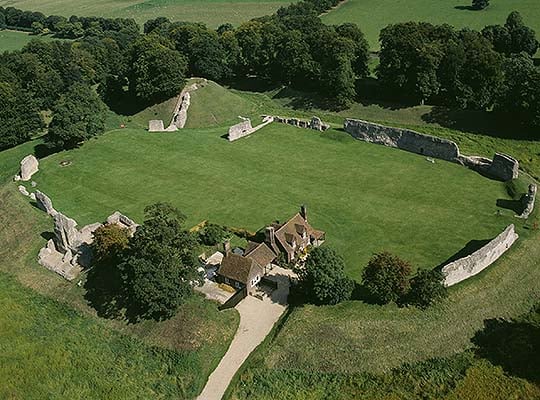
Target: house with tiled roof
(240,272)
(294,236)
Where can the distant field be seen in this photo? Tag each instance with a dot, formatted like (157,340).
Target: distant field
(373,15)
(211,12)
(13,40)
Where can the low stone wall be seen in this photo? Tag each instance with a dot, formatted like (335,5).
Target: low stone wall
(502,167)
(473,264)
(240,130)
(404,139)
(315,123)
(244,128)
(528,201)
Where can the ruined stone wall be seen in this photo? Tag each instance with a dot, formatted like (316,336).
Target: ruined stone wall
(504,167)
(404,139)
(240,130)
(315,123)
(473,264)
(528,201)
(156,125)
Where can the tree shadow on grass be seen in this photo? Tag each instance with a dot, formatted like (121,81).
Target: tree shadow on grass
(468,8)
(482,122)
(513,345)
(104,291)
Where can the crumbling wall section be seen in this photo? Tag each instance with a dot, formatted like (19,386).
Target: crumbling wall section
(315,123)
(475,263)
(528,201)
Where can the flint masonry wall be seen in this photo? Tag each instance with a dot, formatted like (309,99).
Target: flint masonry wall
(240,130)
(404,139)
(473,264)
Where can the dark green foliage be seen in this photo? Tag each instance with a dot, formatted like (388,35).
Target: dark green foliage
(427,288)
(519,97)
(157,71)
(76,117)
(160,264)
(212,234)
(480,4)
(109,243)
(19,116)
(512,38)
(386,277)
(322,279)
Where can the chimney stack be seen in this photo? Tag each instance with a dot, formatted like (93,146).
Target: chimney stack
(303,212)
(270,235)
(227,247)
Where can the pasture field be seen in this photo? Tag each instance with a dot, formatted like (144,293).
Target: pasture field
(367,198)
(55,345)
(211,12)
(15,40)
(373,15)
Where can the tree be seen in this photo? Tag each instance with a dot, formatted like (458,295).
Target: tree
(160,265)
(322,279)
(157,71)
(479,4)
(212,234)
(427,288)
(519,96)
(20,118)
(110,241)
(76,117)
(386,277)
(37,28)
(512,38)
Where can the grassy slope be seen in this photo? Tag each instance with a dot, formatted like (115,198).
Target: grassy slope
(366,197)
(211,12)
(373,15)
(70,342)
(13,40)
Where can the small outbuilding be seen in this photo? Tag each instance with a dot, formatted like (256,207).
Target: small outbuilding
(240,272)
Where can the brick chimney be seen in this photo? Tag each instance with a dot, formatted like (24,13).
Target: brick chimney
(303,212)
(270,235)
(227,247)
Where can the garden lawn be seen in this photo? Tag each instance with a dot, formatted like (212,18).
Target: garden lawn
(373,15)
(211,12)
(366,197)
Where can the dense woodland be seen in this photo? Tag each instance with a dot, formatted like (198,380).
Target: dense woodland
(107,61)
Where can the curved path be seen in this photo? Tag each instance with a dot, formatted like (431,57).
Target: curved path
(257,317)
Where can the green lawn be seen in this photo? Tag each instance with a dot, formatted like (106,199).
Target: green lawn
(367,197)
(14,40)
(211,12)
(53,345)
(373,15)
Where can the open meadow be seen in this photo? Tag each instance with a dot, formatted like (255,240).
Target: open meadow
(373,15)
(211,12)
(15,40)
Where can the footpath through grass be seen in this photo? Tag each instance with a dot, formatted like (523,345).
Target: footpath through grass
(63,350)
(366,197)
(373,15)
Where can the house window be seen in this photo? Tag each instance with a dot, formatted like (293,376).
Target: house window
(237,285)
(255,280)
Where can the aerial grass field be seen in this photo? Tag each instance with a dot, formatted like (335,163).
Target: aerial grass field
(15,40)
(211,12)
(373,15)
(367,198)
(55,346)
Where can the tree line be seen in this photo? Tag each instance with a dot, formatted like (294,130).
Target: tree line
(113,62)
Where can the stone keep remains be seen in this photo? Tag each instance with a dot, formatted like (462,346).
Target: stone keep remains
(29,166)
(473,264)
(69,250)
(502,167)
(156,125)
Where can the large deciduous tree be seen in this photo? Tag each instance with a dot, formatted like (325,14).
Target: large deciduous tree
(322,279)
(386,277)
(512,38)
(427,288)
(76,117)
(160,265)
(157,71)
